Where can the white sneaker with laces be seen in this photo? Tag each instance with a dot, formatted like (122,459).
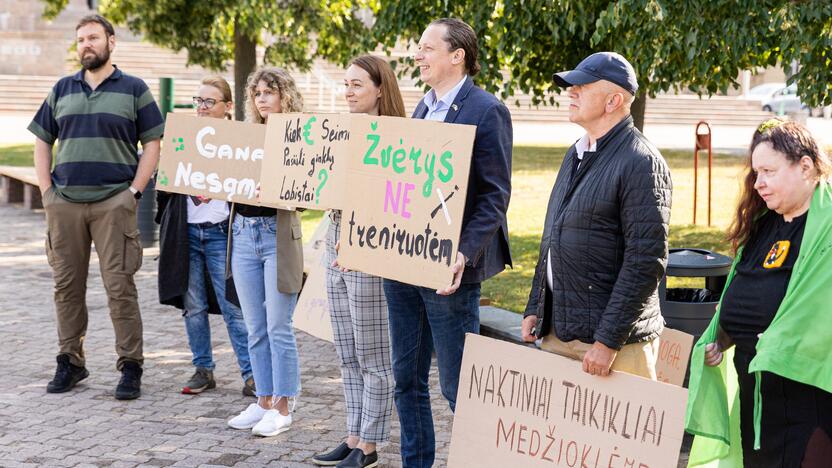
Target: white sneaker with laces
(272,424)
(248,418)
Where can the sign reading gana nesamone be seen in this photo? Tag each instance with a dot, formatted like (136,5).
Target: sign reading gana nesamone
(213,158)
(519,407)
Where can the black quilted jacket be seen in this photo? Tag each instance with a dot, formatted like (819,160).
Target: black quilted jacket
(607,233)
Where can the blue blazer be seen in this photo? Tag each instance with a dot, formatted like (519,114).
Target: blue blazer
(484,238)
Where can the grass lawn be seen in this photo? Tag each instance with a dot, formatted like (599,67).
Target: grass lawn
(17,155)
(534,171)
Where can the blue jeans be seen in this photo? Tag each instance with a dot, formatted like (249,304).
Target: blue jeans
(207,248)
(267,311)
(422,321)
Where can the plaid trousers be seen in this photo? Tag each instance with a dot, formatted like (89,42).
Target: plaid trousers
(358,311)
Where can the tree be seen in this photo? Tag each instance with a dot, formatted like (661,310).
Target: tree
(213,32)
(672,44)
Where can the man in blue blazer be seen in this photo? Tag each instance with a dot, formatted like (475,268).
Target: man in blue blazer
(423,320)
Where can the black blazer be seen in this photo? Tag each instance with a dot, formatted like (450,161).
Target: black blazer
(484,238)
(174,255)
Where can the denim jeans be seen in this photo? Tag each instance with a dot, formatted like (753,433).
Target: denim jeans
(267,311)
(207,248)
(422,321)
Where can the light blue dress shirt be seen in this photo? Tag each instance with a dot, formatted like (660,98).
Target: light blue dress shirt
(437,110)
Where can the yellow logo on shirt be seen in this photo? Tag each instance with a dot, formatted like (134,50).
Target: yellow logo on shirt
(777,255)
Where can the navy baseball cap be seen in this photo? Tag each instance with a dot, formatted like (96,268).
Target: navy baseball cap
(608,66)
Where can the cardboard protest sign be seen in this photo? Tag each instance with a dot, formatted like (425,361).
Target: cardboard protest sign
(312,310)
(674,354)
(213,158)
(407,183)
(315,246)
(305,159)
(519,407)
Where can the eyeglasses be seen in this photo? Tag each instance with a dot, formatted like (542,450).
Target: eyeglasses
(208,103)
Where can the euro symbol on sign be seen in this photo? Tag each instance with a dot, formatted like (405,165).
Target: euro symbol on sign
(307,129)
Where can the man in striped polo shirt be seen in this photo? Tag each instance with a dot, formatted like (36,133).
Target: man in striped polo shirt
(98,115)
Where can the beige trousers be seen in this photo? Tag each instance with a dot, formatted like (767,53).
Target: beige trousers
(111,225)
(637,358)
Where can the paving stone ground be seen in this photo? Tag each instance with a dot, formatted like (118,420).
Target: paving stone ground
(89,428)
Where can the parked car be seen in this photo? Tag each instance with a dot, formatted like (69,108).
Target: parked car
(785,101)
(763,91)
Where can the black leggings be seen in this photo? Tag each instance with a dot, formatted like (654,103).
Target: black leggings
(793,413)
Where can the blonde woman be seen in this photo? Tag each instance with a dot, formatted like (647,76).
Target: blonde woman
(267,264)
(192,261)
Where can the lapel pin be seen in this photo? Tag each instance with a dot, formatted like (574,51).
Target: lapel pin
(454,107)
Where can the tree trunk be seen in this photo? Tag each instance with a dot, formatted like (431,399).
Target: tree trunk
(245,60)
(637,110)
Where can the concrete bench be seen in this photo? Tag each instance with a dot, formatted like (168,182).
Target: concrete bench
(20,185)
(501,324)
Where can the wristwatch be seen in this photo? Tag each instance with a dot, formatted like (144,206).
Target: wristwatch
(136,194)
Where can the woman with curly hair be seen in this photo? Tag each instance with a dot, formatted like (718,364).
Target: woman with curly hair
(267,264)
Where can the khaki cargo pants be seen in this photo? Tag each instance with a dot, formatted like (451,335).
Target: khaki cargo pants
(111,224)
(636,359)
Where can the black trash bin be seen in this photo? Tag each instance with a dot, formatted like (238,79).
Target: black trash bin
(146,212)
(691,309)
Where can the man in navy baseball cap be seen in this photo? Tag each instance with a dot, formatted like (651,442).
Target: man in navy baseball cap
(594,295)
(608,66)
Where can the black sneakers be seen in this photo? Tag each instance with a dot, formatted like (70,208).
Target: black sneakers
(66,375)
(357,459)
(333,457)
(130,385)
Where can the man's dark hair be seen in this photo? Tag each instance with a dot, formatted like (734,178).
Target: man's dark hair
(108,27)
(459,35)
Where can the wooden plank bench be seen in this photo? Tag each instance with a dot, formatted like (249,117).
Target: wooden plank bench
(20,185)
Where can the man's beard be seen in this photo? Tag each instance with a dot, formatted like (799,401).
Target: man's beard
(95,61)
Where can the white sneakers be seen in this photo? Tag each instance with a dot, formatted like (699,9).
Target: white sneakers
(248,418)
(262,422)
(272,424)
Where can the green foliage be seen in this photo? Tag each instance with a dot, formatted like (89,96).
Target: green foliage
(673,44)
(289,29)
(802,33)
(54,7)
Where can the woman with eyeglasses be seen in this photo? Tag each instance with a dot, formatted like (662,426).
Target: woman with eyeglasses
(267,263)
(192,262)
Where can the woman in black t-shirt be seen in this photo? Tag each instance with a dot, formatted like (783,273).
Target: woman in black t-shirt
(785,167)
